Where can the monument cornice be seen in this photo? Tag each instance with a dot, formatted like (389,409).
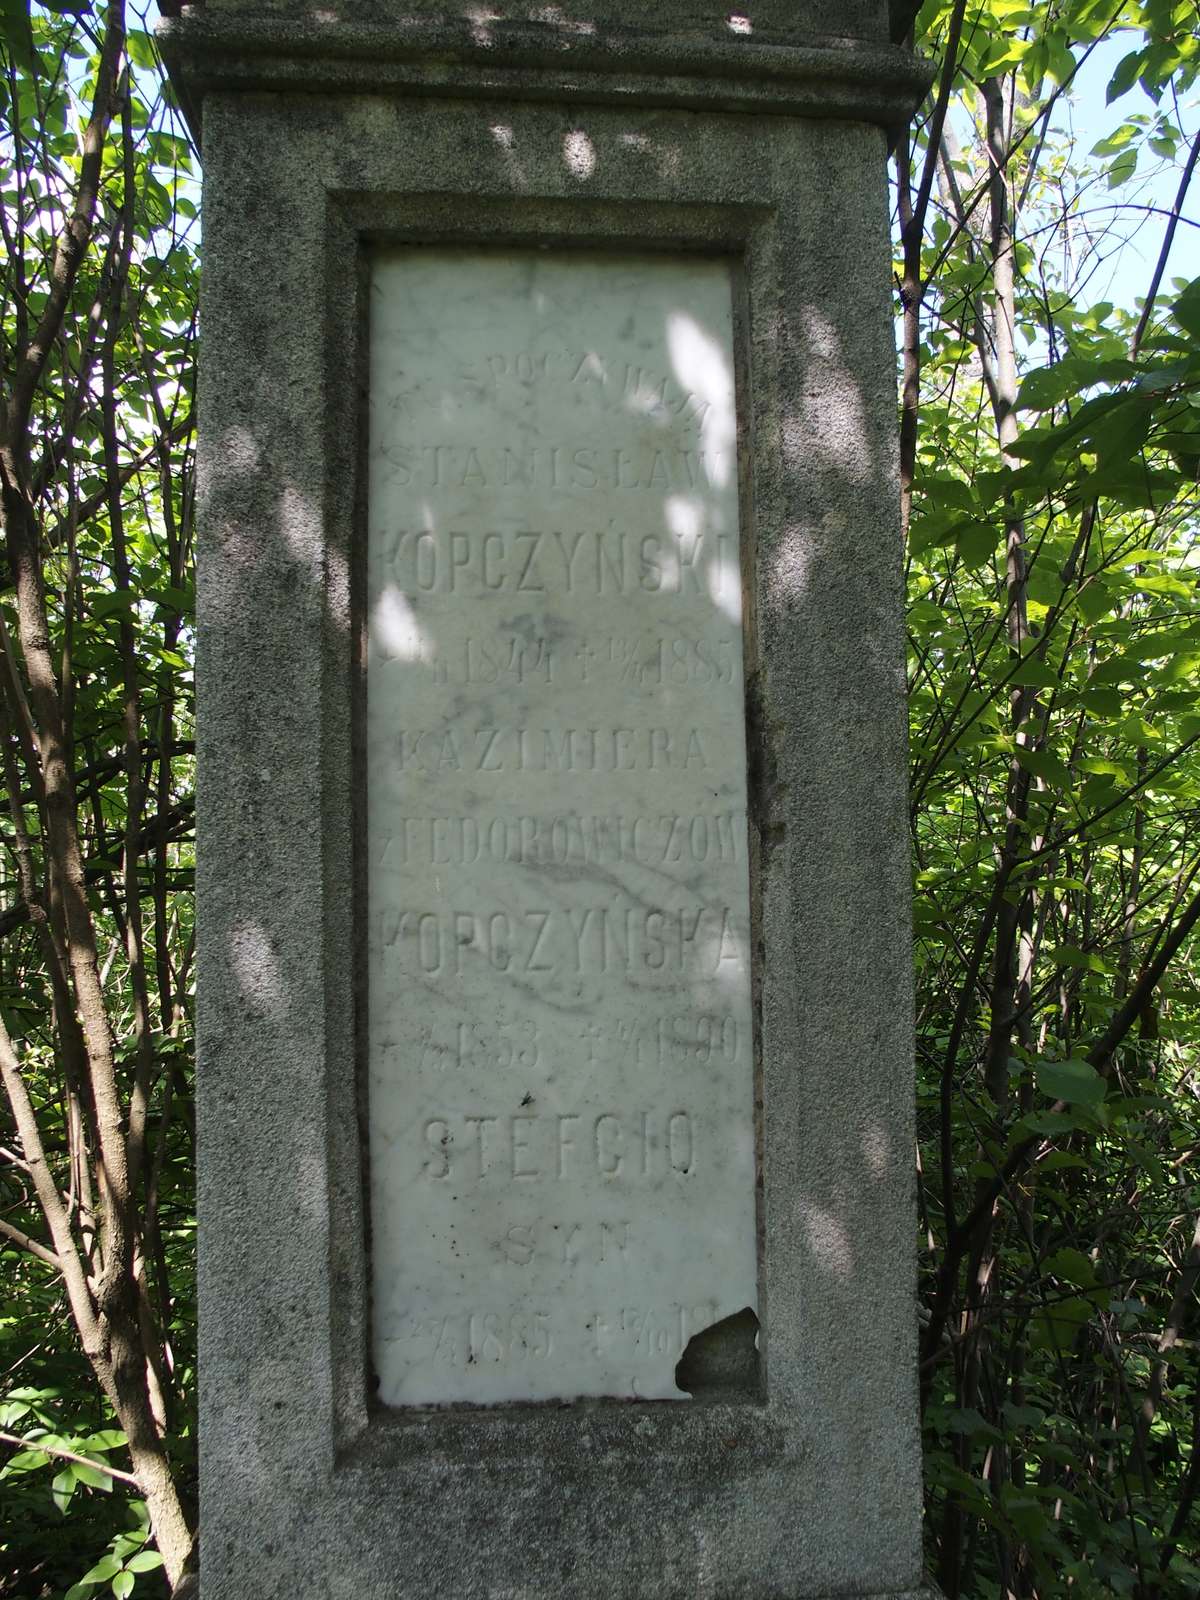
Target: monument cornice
(824,76)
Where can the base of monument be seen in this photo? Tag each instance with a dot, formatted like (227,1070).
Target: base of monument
(929,1592)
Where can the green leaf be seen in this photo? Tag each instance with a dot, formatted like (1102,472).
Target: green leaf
(1054,1122)
(1035,674)
(105,1439)
(1072,1266)
(1093,601)
(1056,1326)
(1122,431)
(122,1585)
(1060,1160)
(1117,140)
(17,34)
(1123,168)
(936,526)
(141,50)
(173,599)
(976,542)
(1008,52)
(1022,1416)
(1140,556)
(93,1477)
(63,1487)
(1060,63)
(967,1420)
(1047,387)
(1065,955)
(1166,583)
(1186,309)
(104,605)
(1076,1082)
(1130,482)
(1103,768)
(1046,765)
(107,1567)
(144,1561)
(1124,76)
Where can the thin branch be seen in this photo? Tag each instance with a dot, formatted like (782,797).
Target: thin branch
(68,1455)
(1168,238)
(27,1242)
(72,242)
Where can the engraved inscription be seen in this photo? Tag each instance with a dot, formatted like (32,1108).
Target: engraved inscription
(603,938)
(569,840)
(493,1337)
(473,1149)
(647,661)
(588,562)
(443,750)
(560,1048)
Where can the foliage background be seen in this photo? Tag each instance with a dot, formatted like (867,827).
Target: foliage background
(1050,443)
(96,1142)
(1049,448)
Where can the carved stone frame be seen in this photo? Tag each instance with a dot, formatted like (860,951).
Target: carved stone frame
(356,227)
(814,1489)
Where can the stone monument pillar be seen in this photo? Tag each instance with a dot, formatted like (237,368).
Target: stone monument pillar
(555,1034)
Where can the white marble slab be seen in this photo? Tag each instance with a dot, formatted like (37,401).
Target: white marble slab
(562,1151)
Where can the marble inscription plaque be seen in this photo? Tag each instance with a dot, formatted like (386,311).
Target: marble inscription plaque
(560,1062)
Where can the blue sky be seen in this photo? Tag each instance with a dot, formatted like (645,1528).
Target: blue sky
(1125,274)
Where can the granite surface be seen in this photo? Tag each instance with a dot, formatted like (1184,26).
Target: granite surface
(825,58)
(865,19)
(806,1482)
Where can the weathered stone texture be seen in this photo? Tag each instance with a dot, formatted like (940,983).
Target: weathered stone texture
(305,1489)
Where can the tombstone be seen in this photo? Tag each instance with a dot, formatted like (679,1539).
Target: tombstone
(555,1031)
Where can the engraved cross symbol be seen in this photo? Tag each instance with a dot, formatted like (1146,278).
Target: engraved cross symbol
(585,655)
